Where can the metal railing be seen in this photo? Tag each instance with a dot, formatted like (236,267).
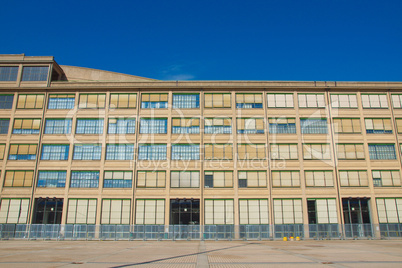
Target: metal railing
(199,232)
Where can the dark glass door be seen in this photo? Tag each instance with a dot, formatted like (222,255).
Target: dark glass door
(185,211)
(48,211)
(356,213)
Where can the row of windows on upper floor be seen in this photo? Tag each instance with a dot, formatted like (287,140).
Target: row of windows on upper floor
(29,73)
(191,179)
(192,126)
(278,151)
(192,100)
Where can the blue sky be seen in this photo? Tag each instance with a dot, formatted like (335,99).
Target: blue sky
(310,40)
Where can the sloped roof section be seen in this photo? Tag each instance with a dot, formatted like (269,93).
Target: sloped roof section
(81,74)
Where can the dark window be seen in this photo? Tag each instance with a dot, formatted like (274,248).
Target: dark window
(4,123)
(209,181)
(34,73)
(6,101)
(8,73)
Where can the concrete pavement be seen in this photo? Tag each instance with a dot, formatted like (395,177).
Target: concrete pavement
(216,254)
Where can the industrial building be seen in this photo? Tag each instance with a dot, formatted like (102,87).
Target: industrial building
(80,146)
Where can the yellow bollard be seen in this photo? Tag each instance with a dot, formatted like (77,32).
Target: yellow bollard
(297,238)
(285,238)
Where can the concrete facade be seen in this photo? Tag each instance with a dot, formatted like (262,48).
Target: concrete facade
(248,105)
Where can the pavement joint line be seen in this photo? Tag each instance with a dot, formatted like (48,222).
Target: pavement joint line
(179,256)
(202,259)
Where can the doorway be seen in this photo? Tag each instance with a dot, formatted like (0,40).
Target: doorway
(184,211)
(356,213)
(48,211)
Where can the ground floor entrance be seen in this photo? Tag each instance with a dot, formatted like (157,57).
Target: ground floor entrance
(48,211)
(356,213)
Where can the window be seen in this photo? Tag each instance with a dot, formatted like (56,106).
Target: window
(87,152)
(284,151)
(344,100)
(389,210)
(350,151)
(217,100)
(374,101)
(313,125)
(186,101)
(22,152)
(30,101)
(316,100)
(13,211)
(118,179)
(8,73)
(353,178)
(253,211)
(251,151)
(26,126)
(6,102)
(152,152)
(58,126)
(186,126)
(185,179)
(55,151)
(81,211)
(4,123)
(61,101)
(378,126)
(115,211)
(286,178)
(322,211)
(319,178)
(282,125)
(119,151)
(84,179)
(123,100)
(18,178)
(121,126)
(2,149)
(151,179)
(396,100)
(382,151)
(153,126)
(252,179)
(89,126)
(386,178)
(150,211)
(218,179)
(185,152)
(248,100)
(218,151)
(347,125)
(35,73)
(288,211)
(219,211)
(250,126)
(154,101)
(52,178)
(92,101)
(398,122)
(316,151)
(279,100)
(218,126)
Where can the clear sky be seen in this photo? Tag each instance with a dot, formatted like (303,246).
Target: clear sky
(308,40)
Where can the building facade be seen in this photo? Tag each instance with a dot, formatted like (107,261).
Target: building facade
(84,146)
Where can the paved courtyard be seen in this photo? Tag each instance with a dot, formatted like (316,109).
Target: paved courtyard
(181,254)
